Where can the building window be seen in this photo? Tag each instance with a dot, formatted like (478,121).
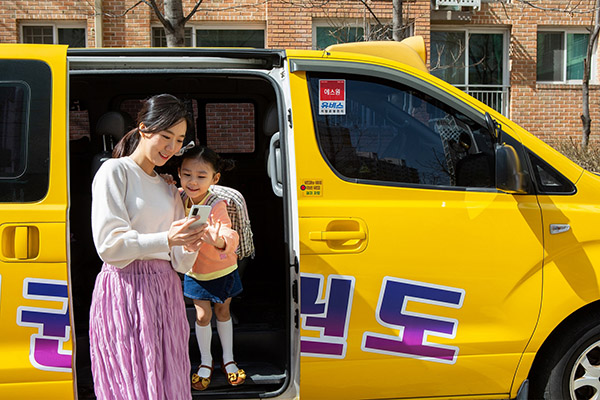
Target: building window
(328,35)
(52,34)
(159,37)
(230,38)
(473,61)
(329,32)
(560,55)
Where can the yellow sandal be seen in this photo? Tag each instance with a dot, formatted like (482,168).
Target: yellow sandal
(234,378)
(199,383)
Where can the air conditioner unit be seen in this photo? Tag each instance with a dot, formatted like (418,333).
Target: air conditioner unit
(459,3)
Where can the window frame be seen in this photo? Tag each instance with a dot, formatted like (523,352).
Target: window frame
(416,83)
(480,30)
(566,32)
(532,158)
(34,181)
(155,26)
(56,26)
(216,26)
(505,86)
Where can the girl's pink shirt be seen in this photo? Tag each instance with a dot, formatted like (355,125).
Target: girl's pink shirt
(210,259)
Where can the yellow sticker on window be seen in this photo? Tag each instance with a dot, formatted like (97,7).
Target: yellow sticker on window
(311,187)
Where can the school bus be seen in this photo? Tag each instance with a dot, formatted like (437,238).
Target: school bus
(411,242)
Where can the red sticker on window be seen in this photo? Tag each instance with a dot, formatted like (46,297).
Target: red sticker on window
(332,96)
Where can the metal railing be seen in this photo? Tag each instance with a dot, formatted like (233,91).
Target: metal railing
(495,96)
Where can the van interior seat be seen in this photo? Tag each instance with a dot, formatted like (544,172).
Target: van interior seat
(110,128)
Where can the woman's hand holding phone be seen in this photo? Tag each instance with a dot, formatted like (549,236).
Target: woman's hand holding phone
(199,214)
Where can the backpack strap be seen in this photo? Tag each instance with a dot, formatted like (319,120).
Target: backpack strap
(240,221)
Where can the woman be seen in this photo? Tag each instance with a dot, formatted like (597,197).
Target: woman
(138,327)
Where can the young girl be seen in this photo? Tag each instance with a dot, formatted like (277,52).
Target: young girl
(138,327)
(214,279)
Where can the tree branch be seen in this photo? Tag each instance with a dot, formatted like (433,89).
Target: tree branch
(126,11)
(237,6)
(301,4)
(572,10)
(159,15)
(187,18)
(371,12)
(150,3)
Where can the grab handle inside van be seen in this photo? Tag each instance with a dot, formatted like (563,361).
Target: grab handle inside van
(274,165)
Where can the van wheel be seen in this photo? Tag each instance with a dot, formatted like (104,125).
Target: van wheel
(572,370)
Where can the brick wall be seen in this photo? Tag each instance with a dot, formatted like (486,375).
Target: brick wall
(549,111)
(230,127)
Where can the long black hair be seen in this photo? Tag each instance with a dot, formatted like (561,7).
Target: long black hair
(158,113)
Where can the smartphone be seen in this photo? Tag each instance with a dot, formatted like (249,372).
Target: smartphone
(202,212)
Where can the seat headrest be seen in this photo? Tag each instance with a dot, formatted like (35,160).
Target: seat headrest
(115,124)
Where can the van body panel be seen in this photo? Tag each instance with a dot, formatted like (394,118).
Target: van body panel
(571,274)
(448,240)
(36,338)
(453,288)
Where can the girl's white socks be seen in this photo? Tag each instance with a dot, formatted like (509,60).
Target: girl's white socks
(204,337)
(225,330)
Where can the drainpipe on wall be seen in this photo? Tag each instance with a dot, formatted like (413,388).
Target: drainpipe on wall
(98,22)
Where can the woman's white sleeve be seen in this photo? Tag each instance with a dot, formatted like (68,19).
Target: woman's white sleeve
(182,260)
(116,242)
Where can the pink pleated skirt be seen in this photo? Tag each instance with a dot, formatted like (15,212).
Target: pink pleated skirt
(139,333)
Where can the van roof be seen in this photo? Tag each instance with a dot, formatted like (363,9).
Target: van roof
(410,51)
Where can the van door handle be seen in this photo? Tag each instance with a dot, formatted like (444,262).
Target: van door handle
(337,235)
(21,242)
(32,241)
(274,165)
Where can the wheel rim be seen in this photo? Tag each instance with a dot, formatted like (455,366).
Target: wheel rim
(584,382)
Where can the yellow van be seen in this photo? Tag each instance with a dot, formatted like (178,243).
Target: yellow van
(411,242)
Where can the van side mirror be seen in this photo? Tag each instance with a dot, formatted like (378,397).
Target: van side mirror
(510,177)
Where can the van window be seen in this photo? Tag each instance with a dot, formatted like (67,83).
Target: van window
(230,127)
(547,179)
(382,131)
(24,130)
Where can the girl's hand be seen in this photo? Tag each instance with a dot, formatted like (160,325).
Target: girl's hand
(180,234)
(168,178)
(211,234)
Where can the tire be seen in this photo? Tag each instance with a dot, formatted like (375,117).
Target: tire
(571,368)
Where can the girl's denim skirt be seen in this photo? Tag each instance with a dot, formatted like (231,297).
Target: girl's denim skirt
(216,290)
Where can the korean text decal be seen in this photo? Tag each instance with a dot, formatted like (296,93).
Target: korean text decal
(332,97)
(330,317)
(46,347)
(415,328)
(311,187)
(329,313)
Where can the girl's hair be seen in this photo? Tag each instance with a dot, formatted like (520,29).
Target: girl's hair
(158,113)
(203,153)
